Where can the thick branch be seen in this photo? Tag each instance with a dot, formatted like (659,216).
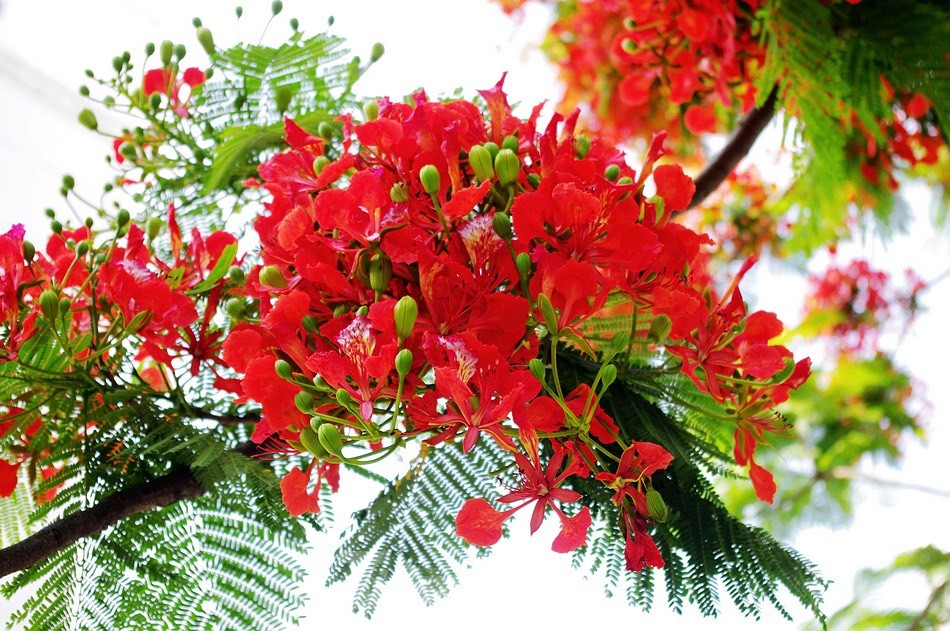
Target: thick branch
(736,149)
(179,484)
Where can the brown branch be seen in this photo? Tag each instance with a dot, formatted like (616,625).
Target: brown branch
(932,603)
(179,484)
(738,146)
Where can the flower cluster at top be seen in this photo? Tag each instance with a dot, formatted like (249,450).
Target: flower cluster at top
(423,274)
(657,64)
(114,312)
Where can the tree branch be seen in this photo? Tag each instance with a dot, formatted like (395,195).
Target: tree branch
(738,146)
(179,484)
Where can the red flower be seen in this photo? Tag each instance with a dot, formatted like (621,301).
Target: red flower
(164,81)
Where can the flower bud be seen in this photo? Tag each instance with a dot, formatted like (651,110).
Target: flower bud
(330,439)
(310,324)
(376,53)
(619,342)
(271,276)
(785,372)
(65,304)
(625,181)
(294,24)
(380,272)
(656,506)
(49,304)
(510,143)
(304,402)
(537,369)
(405,313)
(325,130)
(276,7)
(149,49)
(581,146)
(56,227)
(370,110)
(165,51)
(154,102)
(205,39)
(534,180)
(29,252)
(239,11)
(153,226)
(362,311)
(612,172)
(493,150)
(180,51)
(69,182)
(608,375)
(343,397)
(137,322)
(398,193)
(403,362)
(548,313)
(523,263)
(236,308)
(430,178)
(237,275)
(81,248)
(282,97)
(122,218)
(660,328)
(88,119)
(320,163)
(283,369)
(507,166)
(502,225)
(310,442)
(480,159)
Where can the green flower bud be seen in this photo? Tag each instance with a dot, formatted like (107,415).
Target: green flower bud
(276,7)
(56,227)
(507,166)
(310,324)
(165,51)
(310,442)
(320,163)
(49,304)
(404,362)
(29,252)
(502,225)
(493,150)
(362,311)
(380,272)
(536,366)
(117,63)
(660,328)
(283,369)
(65,304)
(122,218)
(370,110)
(343,398)
(325,130)
(236,308)
(304,402)
(330,439)
(405,313)
(376,52)
(282,97)
(581,146)
(608,375)
(480,160)
(430,178)
(155,101)
(534,180)
(239,11)
(153,226)
(271,276)
(205,39)
(548,313)
(84,90)
(294,24)
(149,49)
(656,506)
(399,193)
(523,263)
(69,182)
(619,342)
(625,181)
(88,120)
(81,248)
(612,172)
(237,275)
(138,321)
(510,143)
(180,51)
(785,372)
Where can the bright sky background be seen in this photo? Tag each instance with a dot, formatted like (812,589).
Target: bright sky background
(442,45)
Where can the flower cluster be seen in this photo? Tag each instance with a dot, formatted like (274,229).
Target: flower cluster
(649,64)
(422,275)
(106,301)
(850,304)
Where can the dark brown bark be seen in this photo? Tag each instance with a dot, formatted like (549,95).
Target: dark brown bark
(172,487)
(738,146)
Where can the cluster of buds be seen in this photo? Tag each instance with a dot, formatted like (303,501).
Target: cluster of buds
(421,278)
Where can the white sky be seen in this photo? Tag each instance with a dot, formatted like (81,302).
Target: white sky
(441,45)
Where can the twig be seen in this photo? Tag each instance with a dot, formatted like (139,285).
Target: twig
(179,484)
(935,596)
(736,149)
